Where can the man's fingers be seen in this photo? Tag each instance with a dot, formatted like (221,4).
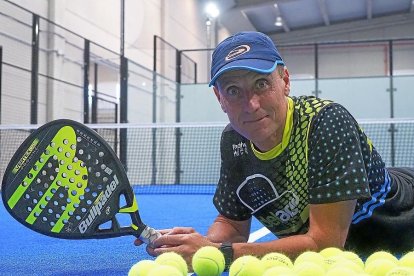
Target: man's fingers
(181,230)
(138,242)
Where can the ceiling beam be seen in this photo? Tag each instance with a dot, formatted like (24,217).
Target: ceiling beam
(284,22)
(285,26)
(324,12)
(319,33)
(369,9)
(250,4)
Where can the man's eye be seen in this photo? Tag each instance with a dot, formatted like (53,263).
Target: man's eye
(262,84)
(233,91)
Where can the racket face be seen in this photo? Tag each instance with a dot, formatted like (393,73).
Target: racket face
(65,181)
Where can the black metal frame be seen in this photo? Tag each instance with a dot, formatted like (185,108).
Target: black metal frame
(34,83)
(123,111)
(86,60)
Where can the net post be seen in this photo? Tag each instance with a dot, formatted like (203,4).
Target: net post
(317,91)
(391,90)
(35,69)
(123,110)
(154,115)
(178,118)
(95,95)
(86,59)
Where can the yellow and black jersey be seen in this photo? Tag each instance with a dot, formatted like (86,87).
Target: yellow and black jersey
(324,157)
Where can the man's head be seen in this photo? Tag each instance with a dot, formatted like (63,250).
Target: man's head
(249,89)
(251,51)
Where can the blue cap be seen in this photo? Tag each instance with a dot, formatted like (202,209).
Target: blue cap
(252,51)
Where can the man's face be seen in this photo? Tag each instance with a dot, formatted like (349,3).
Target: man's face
(256,104)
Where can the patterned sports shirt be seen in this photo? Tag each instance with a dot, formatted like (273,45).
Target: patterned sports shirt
(324,157)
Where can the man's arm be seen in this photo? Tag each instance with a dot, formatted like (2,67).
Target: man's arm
(224,229)
(328,227)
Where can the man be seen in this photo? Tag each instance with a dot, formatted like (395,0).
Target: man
(302,166)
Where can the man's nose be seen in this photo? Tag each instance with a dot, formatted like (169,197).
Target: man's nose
(251,102)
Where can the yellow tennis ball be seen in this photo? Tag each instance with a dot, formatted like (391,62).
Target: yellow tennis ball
(208,261)
(407,260)
(401,271)
(246,266)
(308,269)
(330,251)
(353,257)
(380,255)
(279,271)
(379,267)
(340,271)
(344,263)
(331,261)
(276,259)
(142,268)
(173,259)
(164,270)
(310,256)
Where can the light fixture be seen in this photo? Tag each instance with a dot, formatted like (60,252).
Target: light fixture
(278,22)
(211,10)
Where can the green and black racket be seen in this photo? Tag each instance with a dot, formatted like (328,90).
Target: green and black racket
(65,181)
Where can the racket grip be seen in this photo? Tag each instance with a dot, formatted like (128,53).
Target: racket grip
(149,234)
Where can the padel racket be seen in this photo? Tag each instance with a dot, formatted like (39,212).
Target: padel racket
(65,181)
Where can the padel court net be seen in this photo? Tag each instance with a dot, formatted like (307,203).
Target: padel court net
(185,158)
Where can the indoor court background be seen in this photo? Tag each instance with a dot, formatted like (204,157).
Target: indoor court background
(149,98)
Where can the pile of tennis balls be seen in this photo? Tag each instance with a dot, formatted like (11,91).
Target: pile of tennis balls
(209,261)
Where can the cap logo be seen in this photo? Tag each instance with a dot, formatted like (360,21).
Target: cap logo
(238,51)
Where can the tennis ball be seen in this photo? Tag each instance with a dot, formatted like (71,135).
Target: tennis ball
(331,261)
(310,256)
(173,259)
(279,271)
(142,268)
(379,267)
(348,265)
(164,270)
(308,269)
(407,260)
(380,255)
(208,261)
(353,257)
(246,266)
(330,251)
(340,271)
(276,259)
(401,271)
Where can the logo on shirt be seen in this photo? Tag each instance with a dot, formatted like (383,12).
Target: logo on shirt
(239,149)
(283,215)
(238,51)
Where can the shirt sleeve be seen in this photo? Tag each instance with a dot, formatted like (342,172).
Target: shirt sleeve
(338,157)
(225,198)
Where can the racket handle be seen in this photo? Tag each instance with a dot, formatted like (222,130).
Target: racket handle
(149,234)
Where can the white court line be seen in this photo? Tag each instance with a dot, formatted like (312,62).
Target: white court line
(258,234)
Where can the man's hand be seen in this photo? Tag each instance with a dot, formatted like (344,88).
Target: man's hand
(182,240)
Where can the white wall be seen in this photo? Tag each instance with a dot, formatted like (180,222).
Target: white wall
(180,23)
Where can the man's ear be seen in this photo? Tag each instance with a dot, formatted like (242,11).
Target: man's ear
(286,79)
(219,98)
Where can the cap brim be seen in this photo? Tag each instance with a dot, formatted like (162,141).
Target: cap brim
(255,65)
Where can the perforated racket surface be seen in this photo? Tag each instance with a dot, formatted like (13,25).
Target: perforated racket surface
(65,181)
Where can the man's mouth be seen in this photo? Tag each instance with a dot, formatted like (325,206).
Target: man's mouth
(255,120)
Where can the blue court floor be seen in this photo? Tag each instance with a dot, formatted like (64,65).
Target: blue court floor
(25,252)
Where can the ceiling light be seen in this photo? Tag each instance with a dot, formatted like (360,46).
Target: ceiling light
(278,22)
(211,10)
